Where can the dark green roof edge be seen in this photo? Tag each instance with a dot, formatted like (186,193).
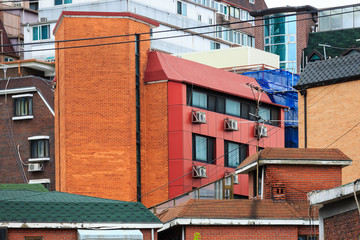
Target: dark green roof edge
(23,186)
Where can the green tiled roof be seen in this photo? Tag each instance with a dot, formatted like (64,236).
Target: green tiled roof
(31,187)
(55,207)
(344,38)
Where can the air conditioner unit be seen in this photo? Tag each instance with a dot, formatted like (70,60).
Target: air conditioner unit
(35,167)
(231,124)
(226,18)
(198,117)
(199,172)
(43,19)
(261,131)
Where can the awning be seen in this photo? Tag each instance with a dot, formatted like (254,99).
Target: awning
(110,234)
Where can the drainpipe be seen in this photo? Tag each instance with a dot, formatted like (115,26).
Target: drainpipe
(304,93)
(152,234)
(2,43)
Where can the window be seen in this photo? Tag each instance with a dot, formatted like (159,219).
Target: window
(210,21)
(23,105)
(203,149)
(39,147)
(252,1)
(61,2)
(181,8)
(199,18)
(8,59)
(41,32)
(230,105)
(214,45)
(235,153)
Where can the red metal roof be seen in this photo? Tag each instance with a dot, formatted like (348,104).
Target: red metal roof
(163,66)
(106,14)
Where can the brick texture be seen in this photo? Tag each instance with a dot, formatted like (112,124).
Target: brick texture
(331,112)
(154,125)
(96,150)
(15,133)
(303,28)
(343,226)
(58,234)
(297,180)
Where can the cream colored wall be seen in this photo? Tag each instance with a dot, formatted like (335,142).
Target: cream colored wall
(332,111)
(230,57)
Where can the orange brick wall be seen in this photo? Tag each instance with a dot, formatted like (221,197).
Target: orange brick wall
(95,108)
(154,132)
(331,112)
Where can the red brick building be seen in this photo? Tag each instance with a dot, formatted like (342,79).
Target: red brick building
(279,210)
(27,131)
(339,211)
(129,121)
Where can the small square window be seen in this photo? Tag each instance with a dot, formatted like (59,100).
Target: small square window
(39,148)
(23,106)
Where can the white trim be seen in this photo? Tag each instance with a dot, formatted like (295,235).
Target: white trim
(22,117)
(46,103)
(236,221)
(38,137)
(328,162)
(38,159)
(158,81)
(243,169)
(262,183)
(18,90)
(334,194)
(44,180)
(82,225)
(22,95)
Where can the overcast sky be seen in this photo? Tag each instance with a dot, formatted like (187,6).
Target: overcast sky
(314,3)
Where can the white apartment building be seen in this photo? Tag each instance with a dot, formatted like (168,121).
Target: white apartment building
(171,14)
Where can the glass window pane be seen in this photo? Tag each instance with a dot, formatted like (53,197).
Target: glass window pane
(336,20)
(324,22)
(67,1)
(291,24)
(199,99)
(356,16)
(45,32)
(233,107)
(237,13)
(292,52)
(212,103)
(35,33)
(233,155)
(348,18)
(200,148)
(46,153)
(58,2)
(179,7)
(278,27)
(40,148)
(279,50)
(264,114)
(33,149)
(184,9)
(220,105)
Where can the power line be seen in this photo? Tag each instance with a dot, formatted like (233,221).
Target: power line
(357,124)
(168,37)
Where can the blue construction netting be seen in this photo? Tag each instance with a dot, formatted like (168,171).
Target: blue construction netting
(278,85)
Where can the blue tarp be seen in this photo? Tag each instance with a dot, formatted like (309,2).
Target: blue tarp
(278,85)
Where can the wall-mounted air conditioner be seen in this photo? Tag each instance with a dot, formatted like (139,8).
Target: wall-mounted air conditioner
(198,117)
(231,124)
(199,172)
(35,167)
(261,131)
(226,18)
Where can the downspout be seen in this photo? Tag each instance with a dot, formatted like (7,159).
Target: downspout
(2,44)
(304,93)
(182,233)
(152,234)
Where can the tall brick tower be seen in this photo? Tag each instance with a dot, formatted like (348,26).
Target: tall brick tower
(98,151)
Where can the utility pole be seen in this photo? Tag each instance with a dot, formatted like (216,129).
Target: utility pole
(257,117)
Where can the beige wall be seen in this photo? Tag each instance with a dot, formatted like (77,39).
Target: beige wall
(230,57)
(331,112)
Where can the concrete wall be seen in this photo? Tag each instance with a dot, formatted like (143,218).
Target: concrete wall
(231,57)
